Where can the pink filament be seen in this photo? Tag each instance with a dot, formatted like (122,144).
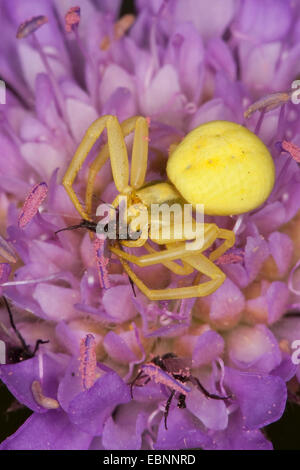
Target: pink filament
(267,103)
(102,262)
(72,19)
(32,203)
(292,149)
(31,25)
(88,361)
(230,258)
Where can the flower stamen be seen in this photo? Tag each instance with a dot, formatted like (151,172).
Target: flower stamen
(30,26)
(102,262)
(32,203)
(88,361)
(41,399)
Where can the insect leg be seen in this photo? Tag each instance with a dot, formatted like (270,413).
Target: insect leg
(166,412)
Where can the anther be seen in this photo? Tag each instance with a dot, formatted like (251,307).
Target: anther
(32,203)
(41,399)
(88,361)
(30,26)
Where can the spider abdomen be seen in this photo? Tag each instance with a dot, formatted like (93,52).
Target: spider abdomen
(224,166)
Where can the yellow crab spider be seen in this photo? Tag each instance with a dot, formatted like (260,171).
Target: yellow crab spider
(220,164)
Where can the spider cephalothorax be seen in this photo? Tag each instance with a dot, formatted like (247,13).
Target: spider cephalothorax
(220,164)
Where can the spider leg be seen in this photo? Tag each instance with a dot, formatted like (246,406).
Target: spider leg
(139,158)
(182,270)
(137,175)
(155,257)
(117,152)
(229,237)
(167,407)
(199,262)
(178,252)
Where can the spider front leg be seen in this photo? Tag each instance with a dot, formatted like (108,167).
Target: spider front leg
(115,148)
(199,262)
(139,160)
(229,237)
(175,250)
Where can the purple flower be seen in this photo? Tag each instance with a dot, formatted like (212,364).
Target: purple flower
(98,364)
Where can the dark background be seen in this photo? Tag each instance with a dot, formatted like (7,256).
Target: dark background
(284,434)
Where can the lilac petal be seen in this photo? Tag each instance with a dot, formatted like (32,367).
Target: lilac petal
(111,6)
(212,110)
(184,432)
(13,165)
(90,409)
(45,101)
(236,437)
(269,218)
(225,305)
(117,302)
(277,299)
(237,273)
(121,103)
(19,377)
(286,369)
(261,397)
(52,431)
(281,249)
(113,78)
(256,252)
(118,347)
(289,65)
(57,302)
(263,21)
(292,194)
(219,56)
(288,328)
(162,97)
(185,50)
(211,19)
(169,331)
(80,116)
(148,393)
(70,385)
(208,347)
(124,432)
(231,93)
(212,413)
(45,166)
(270,305)
(253,348)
